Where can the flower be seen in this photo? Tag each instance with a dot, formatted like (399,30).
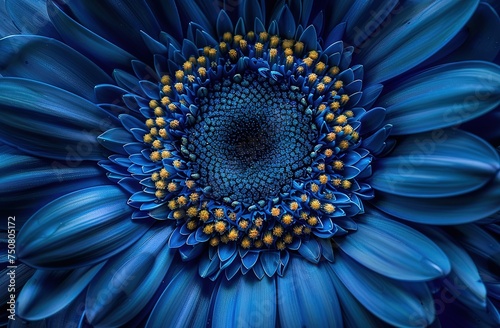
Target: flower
(253,164)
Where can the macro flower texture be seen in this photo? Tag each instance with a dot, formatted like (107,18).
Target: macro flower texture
(250,163)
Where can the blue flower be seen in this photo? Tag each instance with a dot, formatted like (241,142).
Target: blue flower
(250,164)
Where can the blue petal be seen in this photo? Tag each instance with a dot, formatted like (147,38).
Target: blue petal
(286,23)
(87,42)
(115,139)
(394,249)
(238,300)
(309,38)
(302,303)
(62,126)
(311,250)
(224,24)
(417,32)
(130,280)
(37,58)
(78,229)
(436,164)
(184,303)
(270,262)
(402,304)
(47,292)
(70,316)
(434,99)
(30,17)
(446,210)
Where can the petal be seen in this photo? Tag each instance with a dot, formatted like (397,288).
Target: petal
(78,229)
(245,301)
(394,249)
(414,33)
(434,99)
(436,164)
(184,303)
(31,17)
(115,139)
(446,210)
(402,304)
(130,280)
(37,58)
(306,296)
(50,122)
(47,292)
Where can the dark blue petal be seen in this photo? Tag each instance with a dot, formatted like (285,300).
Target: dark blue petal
(184,303)
(78,229)
(286,23)
(224,24)
(31,17)
(130,280)
(418,31)
(394,249)
(37,58)
(50,122)
(401,304)
(302,303)
(309,38)
(236,302)
(436,164)
(434,99)
(115,139)
(47,292)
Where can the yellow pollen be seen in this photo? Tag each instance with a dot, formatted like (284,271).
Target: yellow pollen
(153,131)
(300,69)
(355,136)
(243,224)
(323,179)
(233,235)
(259,221)
(280,245)
(148,138)
(289,60)
(165,79)
(329,117)
(202,71)
(314,187)
(337,129)
(191,225)
(206,50)
(224,239)
(320,87)
(192,212)
(179,87)
(182,200)
(192,60)
(313,54)
(159,194)
(344,144)
(174,124)
(288,52)
(341,119)
(331,136)
(334,70)
(259,48)
(320,68)
(312,220)
(214,241)
(187,67)
(268,239)
(338,84)
(167,89)
(219,213)
(165,154)
(160,121)
(303,215)
(298,230)
(346,184)
(321,166)
(227,37)
(155,156)
(294,206)
(337,182)
(194,197)
(349,113)
(204,215)
(172,186)
(177,164)
(308,61)
(165,101)
(212,54)
(208,229)
(158,111)
(233,54)
(223,47)
(251,35)
(303,197)
(232,216)
(157,144)
(179,214)
(179,75)
(273,53)
(275,40)
(263,36)
(160,184)
(243,44)
(299,48)
(191,78)
(155,176)
(288,239)
(258,243)
(335,105)
(153,104)
(321,107)
(246,243)
(172,205)
(315,204)
(275,211)
(348,129)
(344,99)
(338,165)
(326,79)
(253,233)
(220,227)
(190,184)
(172,107)
(287,219)
(328,152)
(328,208)
(287,43)
(150,123)
(278,231)
(202,61)
(307,230)
(312,78)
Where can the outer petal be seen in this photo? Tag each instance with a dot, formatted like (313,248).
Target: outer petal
(417,31)
(394,249)
(443,96)
(30,17)
(245,301)
(436,164)
(184,303)
(47,292)
(307,297)
(400,304)
(50,122)
(79,229)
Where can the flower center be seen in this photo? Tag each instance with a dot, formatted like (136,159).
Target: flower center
(252,138)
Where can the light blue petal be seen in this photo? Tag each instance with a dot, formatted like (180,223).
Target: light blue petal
(50,122)
(416,32)
(436,164)
(130,280)
(446,95)
(394,249)
(464,281)
(402,304)
(30,17)
(184,303)
(78,229)
(245,301)
(47,292)
(115,139)
(302,303)
(445,211)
